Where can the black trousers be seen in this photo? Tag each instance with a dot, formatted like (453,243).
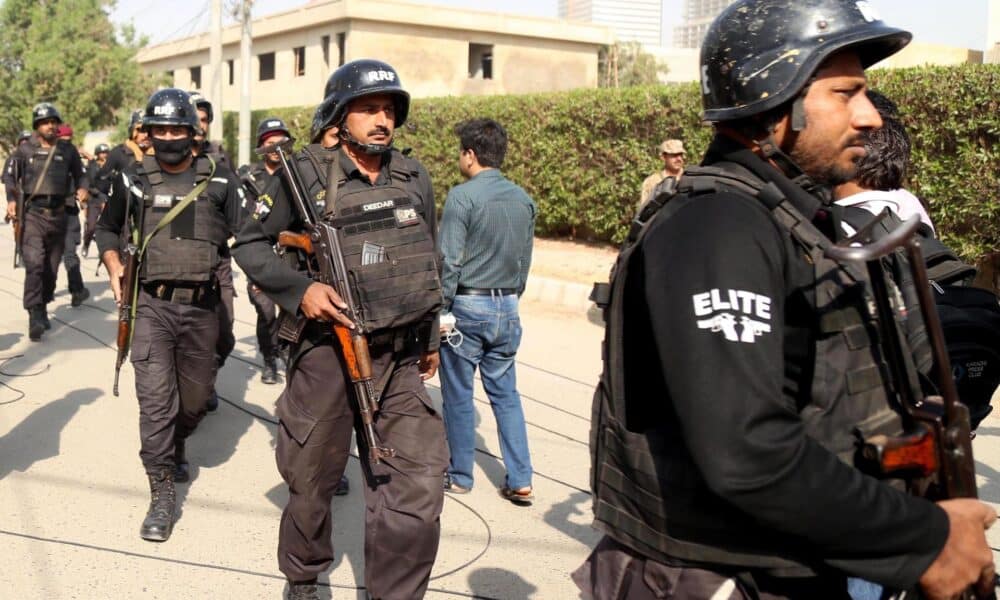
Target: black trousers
(71,260)
(173,355)
(267,321)
(615,572)
(227,339)
(403,495)
(42,243)
(94,209)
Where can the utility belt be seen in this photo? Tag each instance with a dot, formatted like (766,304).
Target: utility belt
(472,291)
(319,332)
(48,205)
(181,292)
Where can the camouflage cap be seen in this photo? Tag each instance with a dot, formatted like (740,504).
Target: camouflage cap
(672,147)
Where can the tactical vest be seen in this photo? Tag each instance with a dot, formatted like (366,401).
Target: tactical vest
(388,248)
(55,181)
(648,493)
(186,250)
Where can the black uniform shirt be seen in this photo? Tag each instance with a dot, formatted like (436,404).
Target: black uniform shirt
(280,281)
(734,400)
(223,191)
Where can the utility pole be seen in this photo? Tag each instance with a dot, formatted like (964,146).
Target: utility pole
(215,76)
(244,155)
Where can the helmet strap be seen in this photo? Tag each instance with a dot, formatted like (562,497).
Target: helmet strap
(370,149)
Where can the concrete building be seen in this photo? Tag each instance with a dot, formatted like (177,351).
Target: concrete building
(698,15)
(437,52)
(631,20)
(992,54)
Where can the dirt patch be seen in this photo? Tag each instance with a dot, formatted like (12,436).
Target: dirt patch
(579,262)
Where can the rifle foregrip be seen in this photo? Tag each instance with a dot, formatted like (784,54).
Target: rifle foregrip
(124,333)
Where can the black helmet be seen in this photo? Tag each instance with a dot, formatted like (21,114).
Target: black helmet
(202,103)
(25,135)
(356,79)
(134,119)
(322,120)
(170,106)
(43,111)
(101,148)
(270,125)
(759,54)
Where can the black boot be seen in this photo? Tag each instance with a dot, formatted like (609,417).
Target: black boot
(181,472)
(36,323)
(270,372)
(45,317)
(77,297)
(343,487)
(302,591)
(159,521)
(213,402)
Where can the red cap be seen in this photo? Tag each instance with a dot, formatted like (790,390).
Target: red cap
(64,130)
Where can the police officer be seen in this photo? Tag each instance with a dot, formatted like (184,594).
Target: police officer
(181,209)
(77,291)
(741,363)
(97,200)
(227,339)
(43,171)
(260,179)
(364,104)
(130,151)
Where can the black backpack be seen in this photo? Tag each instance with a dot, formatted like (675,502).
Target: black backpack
(970,318)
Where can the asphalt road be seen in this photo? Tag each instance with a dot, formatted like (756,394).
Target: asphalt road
(73,493)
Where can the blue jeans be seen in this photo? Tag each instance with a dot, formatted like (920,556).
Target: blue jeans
(491,334)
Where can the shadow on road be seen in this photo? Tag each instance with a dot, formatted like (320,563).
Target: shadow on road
(37,437)
(500,583)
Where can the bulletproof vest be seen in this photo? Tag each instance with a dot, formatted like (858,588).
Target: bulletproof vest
(54,181)
(388,249)
(188,249)
(312,162)
(648,494)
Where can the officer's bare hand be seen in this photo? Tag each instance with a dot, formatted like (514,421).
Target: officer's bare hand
(11,210)
(429,362)
(82,195)
(966,558)
(321,302)
(116,272)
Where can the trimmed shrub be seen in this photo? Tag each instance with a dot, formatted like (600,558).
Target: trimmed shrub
(582,155)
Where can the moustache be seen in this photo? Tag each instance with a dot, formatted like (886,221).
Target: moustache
(379,131)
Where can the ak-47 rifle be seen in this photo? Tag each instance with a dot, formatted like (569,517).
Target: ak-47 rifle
(321,244)
(935,453)
(18,222)
(129,290)
(130,279)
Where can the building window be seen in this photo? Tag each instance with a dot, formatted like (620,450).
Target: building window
(341,48)
(266,66)
(232,71)
(325,44)
(300,60)
(170,77)
(481,61)
(196,77)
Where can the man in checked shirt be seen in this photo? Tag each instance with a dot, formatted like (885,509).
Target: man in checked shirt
(486,234)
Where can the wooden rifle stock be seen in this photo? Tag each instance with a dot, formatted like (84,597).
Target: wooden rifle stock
(299,241)
(130,280)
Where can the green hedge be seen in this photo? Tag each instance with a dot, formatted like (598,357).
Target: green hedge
(582,155)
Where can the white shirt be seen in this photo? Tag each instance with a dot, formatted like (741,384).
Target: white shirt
(900,201)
